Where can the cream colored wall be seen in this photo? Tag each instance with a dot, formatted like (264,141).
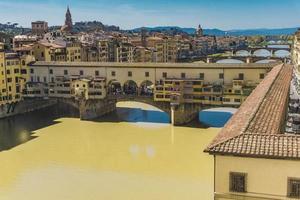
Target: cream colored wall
(249,74)
(138,74)
(265,177)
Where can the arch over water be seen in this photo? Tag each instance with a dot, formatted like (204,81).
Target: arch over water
(130,87)
(216,117)
(229,61)
(282,53)
(138,112)
(266,61)
(199,61)
(243,53)
(262,53)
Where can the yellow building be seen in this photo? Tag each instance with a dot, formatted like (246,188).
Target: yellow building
(165,48)
(13,76)
(73,51)
(45,51)
(124,52)
(142,54)
(254,156)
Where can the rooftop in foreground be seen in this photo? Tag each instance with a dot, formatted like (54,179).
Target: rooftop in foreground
(257,128)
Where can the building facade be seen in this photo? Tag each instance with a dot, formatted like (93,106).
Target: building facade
(39,28)
(13,76)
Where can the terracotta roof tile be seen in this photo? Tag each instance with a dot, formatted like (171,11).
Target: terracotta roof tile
(256,129)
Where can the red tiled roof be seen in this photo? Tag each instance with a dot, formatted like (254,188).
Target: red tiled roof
(256,130)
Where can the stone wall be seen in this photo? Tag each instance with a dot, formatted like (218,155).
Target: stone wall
(25,106)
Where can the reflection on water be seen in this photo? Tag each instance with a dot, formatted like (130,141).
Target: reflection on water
(79,160)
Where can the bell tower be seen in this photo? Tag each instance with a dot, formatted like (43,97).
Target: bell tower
(68,21)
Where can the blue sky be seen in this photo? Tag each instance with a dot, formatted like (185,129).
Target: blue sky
(223,14)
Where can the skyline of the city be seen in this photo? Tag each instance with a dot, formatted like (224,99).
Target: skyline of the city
(226,15)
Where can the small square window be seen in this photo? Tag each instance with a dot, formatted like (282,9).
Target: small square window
(66,72)
(237,182)
(261,76)
(165,75)
(113,73)
(147,74)
(294,187)
(221,76)
(201,76)
(182,75)
(241,76)
(129,74)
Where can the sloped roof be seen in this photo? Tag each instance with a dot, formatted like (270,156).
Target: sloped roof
(256,129)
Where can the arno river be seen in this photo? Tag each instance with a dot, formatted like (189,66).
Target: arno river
(131,154)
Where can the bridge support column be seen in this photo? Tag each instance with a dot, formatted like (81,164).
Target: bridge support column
(183,113)
(92,109)
(248,60)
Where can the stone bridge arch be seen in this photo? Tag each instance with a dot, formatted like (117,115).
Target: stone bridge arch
(230,60)
(262,53)
(146,88)
(266,61)
(114,87)
(163,106)
(130,87)
(282,53)
(242,53)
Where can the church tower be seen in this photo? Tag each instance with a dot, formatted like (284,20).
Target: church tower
(199,31)
(68,22)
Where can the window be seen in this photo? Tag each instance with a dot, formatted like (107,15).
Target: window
(261,76)
(241,76)
(146,74)
(294,187)
(50,71)
(165,75)
(23,71)
(97,73)
(237,182)
(130,74)
(113,73)
(221,76)
(81,72)
(31,71)
(66,72)
(197,89)
(226,99)
(201,76)
(237,100)
(182,75)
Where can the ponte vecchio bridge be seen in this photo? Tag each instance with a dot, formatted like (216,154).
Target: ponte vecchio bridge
(179,89)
